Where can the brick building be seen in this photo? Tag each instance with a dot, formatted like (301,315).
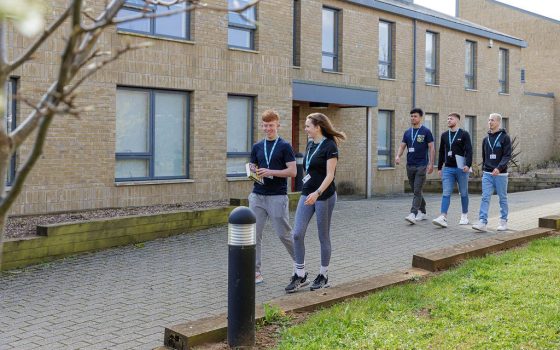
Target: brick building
(539,74)
(174,122)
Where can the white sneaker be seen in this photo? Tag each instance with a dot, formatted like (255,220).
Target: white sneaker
(503,226)
(411,218)
(464,220)
(440,221)
(481,226)
(420,216)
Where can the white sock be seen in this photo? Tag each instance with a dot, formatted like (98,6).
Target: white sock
(324,271)
(300,270)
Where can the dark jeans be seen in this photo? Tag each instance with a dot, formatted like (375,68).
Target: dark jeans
(417,179)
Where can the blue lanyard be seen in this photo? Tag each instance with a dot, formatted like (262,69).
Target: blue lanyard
(414,136)
(454,136)
(308,158)
(495,142)
(266,157)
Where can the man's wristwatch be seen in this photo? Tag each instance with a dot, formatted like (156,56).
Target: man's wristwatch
(319,193)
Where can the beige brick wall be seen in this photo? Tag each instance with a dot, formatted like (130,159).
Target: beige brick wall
(77,168)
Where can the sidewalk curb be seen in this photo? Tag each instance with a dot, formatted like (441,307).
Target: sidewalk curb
(444,258)
(214,329)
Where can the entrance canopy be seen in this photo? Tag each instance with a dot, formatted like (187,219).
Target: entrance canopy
(340,95)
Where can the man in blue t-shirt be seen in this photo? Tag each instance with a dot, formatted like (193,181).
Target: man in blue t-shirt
(419,161)
(275,160)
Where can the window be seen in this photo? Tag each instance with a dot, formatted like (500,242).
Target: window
(384,137)
(173,26)
(151,134)
(470,127)
(386,49)
(239,133)
(503,67)
(431,122)
(505,124)
(10,120)
(296,34)
(330,41)
(242,27)
(432,53)
(523,75)
(470,65)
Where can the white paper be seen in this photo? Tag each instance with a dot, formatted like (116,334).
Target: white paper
(461,162)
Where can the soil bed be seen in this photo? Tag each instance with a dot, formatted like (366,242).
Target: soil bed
(266,337)
(26,226)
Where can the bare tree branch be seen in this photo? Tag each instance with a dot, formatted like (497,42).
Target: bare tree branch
(193,6)
(25,169)
(79,54)
(150,15)
(30,123)
(96,66)
(39,41)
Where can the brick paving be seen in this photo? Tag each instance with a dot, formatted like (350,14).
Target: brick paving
(123,298)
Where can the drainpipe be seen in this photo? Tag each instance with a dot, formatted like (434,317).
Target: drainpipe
(368,152)
(414,63)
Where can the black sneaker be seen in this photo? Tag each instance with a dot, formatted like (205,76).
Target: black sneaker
(320,282)
(296,283)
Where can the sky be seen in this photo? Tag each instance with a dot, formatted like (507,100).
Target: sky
(548,8)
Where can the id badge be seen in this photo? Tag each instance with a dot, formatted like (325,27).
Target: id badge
(306,178)
(411,149)
(492,156)
(450,153)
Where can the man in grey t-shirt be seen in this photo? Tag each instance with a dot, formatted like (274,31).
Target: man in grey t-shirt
(276,162)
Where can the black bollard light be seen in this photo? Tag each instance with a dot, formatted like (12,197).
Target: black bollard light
(241,278)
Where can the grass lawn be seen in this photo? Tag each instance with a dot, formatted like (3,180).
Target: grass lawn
(504,301)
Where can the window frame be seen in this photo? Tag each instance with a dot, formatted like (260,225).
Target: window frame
(470,77)
(12,82)
(391,54)
(296,32)
(336,33)
(505,124)
(472,132)
(150,154)
(434,71)
(251,136)
(250,28)
(503,70)
(389,134)
(131,6)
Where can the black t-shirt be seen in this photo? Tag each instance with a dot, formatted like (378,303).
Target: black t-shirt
(460,145)
(282,154)
(318,167)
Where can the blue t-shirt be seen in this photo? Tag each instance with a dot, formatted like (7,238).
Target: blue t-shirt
(422,137)
(282,154)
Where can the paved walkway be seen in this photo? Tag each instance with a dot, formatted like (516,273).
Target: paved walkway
(123,298)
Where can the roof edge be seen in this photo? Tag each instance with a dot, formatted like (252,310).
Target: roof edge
(460,26)
(527,12)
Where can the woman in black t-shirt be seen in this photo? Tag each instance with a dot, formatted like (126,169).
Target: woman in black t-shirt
(318,196)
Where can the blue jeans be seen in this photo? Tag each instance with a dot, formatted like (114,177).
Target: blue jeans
(489,184)
(449,177)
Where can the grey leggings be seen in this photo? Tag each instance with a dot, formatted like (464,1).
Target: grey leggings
(324,210)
